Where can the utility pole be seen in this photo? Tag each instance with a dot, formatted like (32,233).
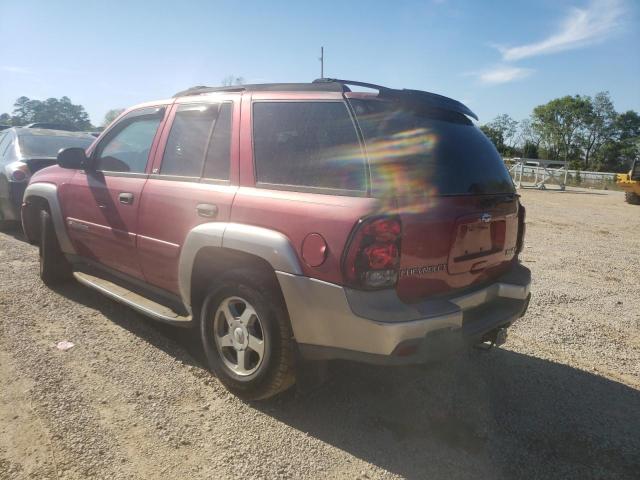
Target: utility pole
(321,62)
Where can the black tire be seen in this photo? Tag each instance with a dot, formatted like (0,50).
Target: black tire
(54,267)
(632,198)
(276,368)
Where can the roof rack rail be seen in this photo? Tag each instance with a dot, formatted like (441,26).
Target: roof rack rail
(264,87)
(201,89)
(431,99)
(337,85)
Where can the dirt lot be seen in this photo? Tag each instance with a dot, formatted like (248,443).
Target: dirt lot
(132,400)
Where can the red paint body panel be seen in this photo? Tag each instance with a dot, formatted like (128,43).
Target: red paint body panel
(108,234)
(297,214)
(167,213)
(431,238)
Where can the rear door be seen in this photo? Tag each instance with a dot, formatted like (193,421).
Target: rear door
(101,204)
(449,185)
(194,180)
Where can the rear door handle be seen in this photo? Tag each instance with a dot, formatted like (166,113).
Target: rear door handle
(207,210)
(126,198)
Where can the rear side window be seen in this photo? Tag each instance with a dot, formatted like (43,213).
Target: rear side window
(184,153)
(199,138)
(217,162)
(307,144)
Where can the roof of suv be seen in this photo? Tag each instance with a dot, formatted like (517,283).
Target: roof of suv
(342,86)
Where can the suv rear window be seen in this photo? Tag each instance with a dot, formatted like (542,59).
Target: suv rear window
(414,149)
(48,146)
(307,144)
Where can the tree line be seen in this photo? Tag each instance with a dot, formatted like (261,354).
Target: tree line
(584,131)
(52,110)
(61,111)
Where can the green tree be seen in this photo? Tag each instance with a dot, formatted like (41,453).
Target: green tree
(559,123)
(530,150)
(599,125)
(508,128)
(111,115)
(494,135)
(53,110)
(5,119)
(619,151)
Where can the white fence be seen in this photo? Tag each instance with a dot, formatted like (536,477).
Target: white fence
(526,176)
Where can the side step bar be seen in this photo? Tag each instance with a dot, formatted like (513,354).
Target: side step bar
(143,305)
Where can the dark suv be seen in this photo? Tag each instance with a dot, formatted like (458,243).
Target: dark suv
(292,221)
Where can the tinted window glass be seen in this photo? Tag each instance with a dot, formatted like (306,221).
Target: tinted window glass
(5,140)
(415,149)
(128,150)
(310,144)
(219,153)
(184,153)
(48,145)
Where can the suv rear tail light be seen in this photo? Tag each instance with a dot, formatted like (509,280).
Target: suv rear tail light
(522,226)
(372,258)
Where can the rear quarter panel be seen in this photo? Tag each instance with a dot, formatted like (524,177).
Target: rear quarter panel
(297,214)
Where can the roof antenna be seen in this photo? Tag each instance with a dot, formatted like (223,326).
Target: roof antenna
(321,62)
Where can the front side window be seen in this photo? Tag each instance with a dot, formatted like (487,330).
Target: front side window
(308,144)
(127,150)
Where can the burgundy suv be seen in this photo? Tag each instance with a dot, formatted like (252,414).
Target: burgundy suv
(292,221)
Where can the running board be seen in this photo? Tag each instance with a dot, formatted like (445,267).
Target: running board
(147,307)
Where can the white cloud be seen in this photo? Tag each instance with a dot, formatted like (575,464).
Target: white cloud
(501,74)
(583,26)
(13,69)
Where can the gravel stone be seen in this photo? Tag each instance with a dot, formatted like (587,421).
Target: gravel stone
(561,399)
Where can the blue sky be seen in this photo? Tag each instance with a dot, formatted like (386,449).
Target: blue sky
(496,56)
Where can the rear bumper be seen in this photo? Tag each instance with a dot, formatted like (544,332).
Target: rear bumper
(330,321)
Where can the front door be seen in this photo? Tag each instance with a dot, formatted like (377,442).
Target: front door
(102,203)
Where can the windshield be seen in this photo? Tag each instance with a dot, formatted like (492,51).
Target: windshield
(49,145)
(413,149)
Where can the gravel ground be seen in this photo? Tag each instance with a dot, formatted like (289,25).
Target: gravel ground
(132,400)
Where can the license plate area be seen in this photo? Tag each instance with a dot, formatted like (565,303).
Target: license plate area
(478,244)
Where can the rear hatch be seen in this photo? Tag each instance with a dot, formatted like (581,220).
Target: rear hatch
(451,190)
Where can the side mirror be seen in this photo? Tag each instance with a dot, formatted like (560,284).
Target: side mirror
(74,158)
